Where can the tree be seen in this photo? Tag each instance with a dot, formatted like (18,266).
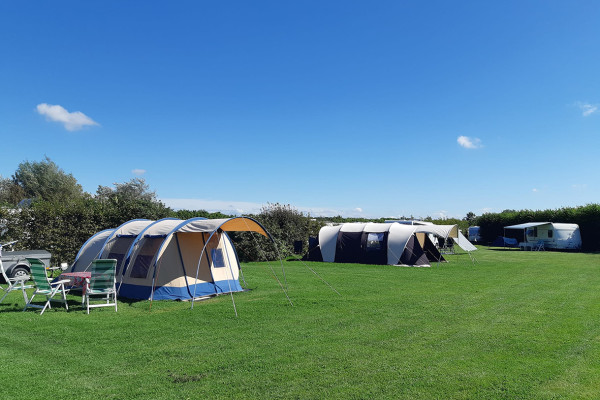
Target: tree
(470,218)
(44,180)
(135,190)
(130,200)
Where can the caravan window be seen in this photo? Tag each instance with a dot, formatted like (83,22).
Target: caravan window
(375,241)
(549,233)
(532,232)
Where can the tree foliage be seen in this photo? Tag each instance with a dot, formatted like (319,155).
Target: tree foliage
(10,192)
(44,180)
(129,200)
(285,224)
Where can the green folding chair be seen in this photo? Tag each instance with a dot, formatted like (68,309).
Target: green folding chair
(45,287)
(102,284)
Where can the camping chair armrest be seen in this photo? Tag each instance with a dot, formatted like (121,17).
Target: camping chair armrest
(62,281)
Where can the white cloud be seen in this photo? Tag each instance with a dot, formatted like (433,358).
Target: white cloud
(534,190)
(587,109)
(579,186)
(358,209)
(73,121)
(441,214)
(226,207)
(469,143)
(138,171)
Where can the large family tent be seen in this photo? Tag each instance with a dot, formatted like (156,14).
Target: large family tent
(372,243)
(384,243)
(551,235)
(171,258)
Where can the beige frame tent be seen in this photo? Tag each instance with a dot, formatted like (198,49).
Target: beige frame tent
(172,258)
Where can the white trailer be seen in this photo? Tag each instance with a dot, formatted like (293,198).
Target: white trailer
(549,235)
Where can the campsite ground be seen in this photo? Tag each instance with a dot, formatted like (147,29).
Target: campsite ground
(516,325)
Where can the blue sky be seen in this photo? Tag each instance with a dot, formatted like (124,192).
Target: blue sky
(372,109)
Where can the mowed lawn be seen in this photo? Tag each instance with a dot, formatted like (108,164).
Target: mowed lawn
(517,325)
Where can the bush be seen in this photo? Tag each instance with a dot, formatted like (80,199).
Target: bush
(285,224)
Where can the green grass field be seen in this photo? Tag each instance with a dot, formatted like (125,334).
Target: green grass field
(518,325)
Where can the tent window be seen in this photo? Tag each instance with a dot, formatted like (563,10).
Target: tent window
(119,249)
(549,233)
(119,257)
(375,241)
(144,258)
(217,258)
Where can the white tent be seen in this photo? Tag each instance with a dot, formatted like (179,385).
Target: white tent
(371,243)
(384,243)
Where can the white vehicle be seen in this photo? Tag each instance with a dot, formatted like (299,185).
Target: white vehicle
(549,235)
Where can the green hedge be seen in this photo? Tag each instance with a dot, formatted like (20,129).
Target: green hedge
(587,217)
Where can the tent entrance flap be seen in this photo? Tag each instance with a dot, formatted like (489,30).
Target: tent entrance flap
(348,247)
(413,254)
(375,248)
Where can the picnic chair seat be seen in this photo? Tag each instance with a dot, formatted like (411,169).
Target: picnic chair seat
(102,283)
(44,287)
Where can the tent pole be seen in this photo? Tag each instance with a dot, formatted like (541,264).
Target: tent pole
(182,264)
(265,257)
(198,268)
(212,276)
(228,281)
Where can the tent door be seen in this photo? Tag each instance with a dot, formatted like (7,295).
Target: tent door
(374,248)
(348,247)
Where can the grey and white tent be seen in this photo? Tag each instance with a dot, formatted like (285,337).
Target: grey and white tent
(171,258)
(371,243)
(384,243)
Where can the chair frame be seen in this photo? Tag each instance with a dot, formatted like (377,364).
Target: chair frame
(13,284)
(43,286)
(101,267)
